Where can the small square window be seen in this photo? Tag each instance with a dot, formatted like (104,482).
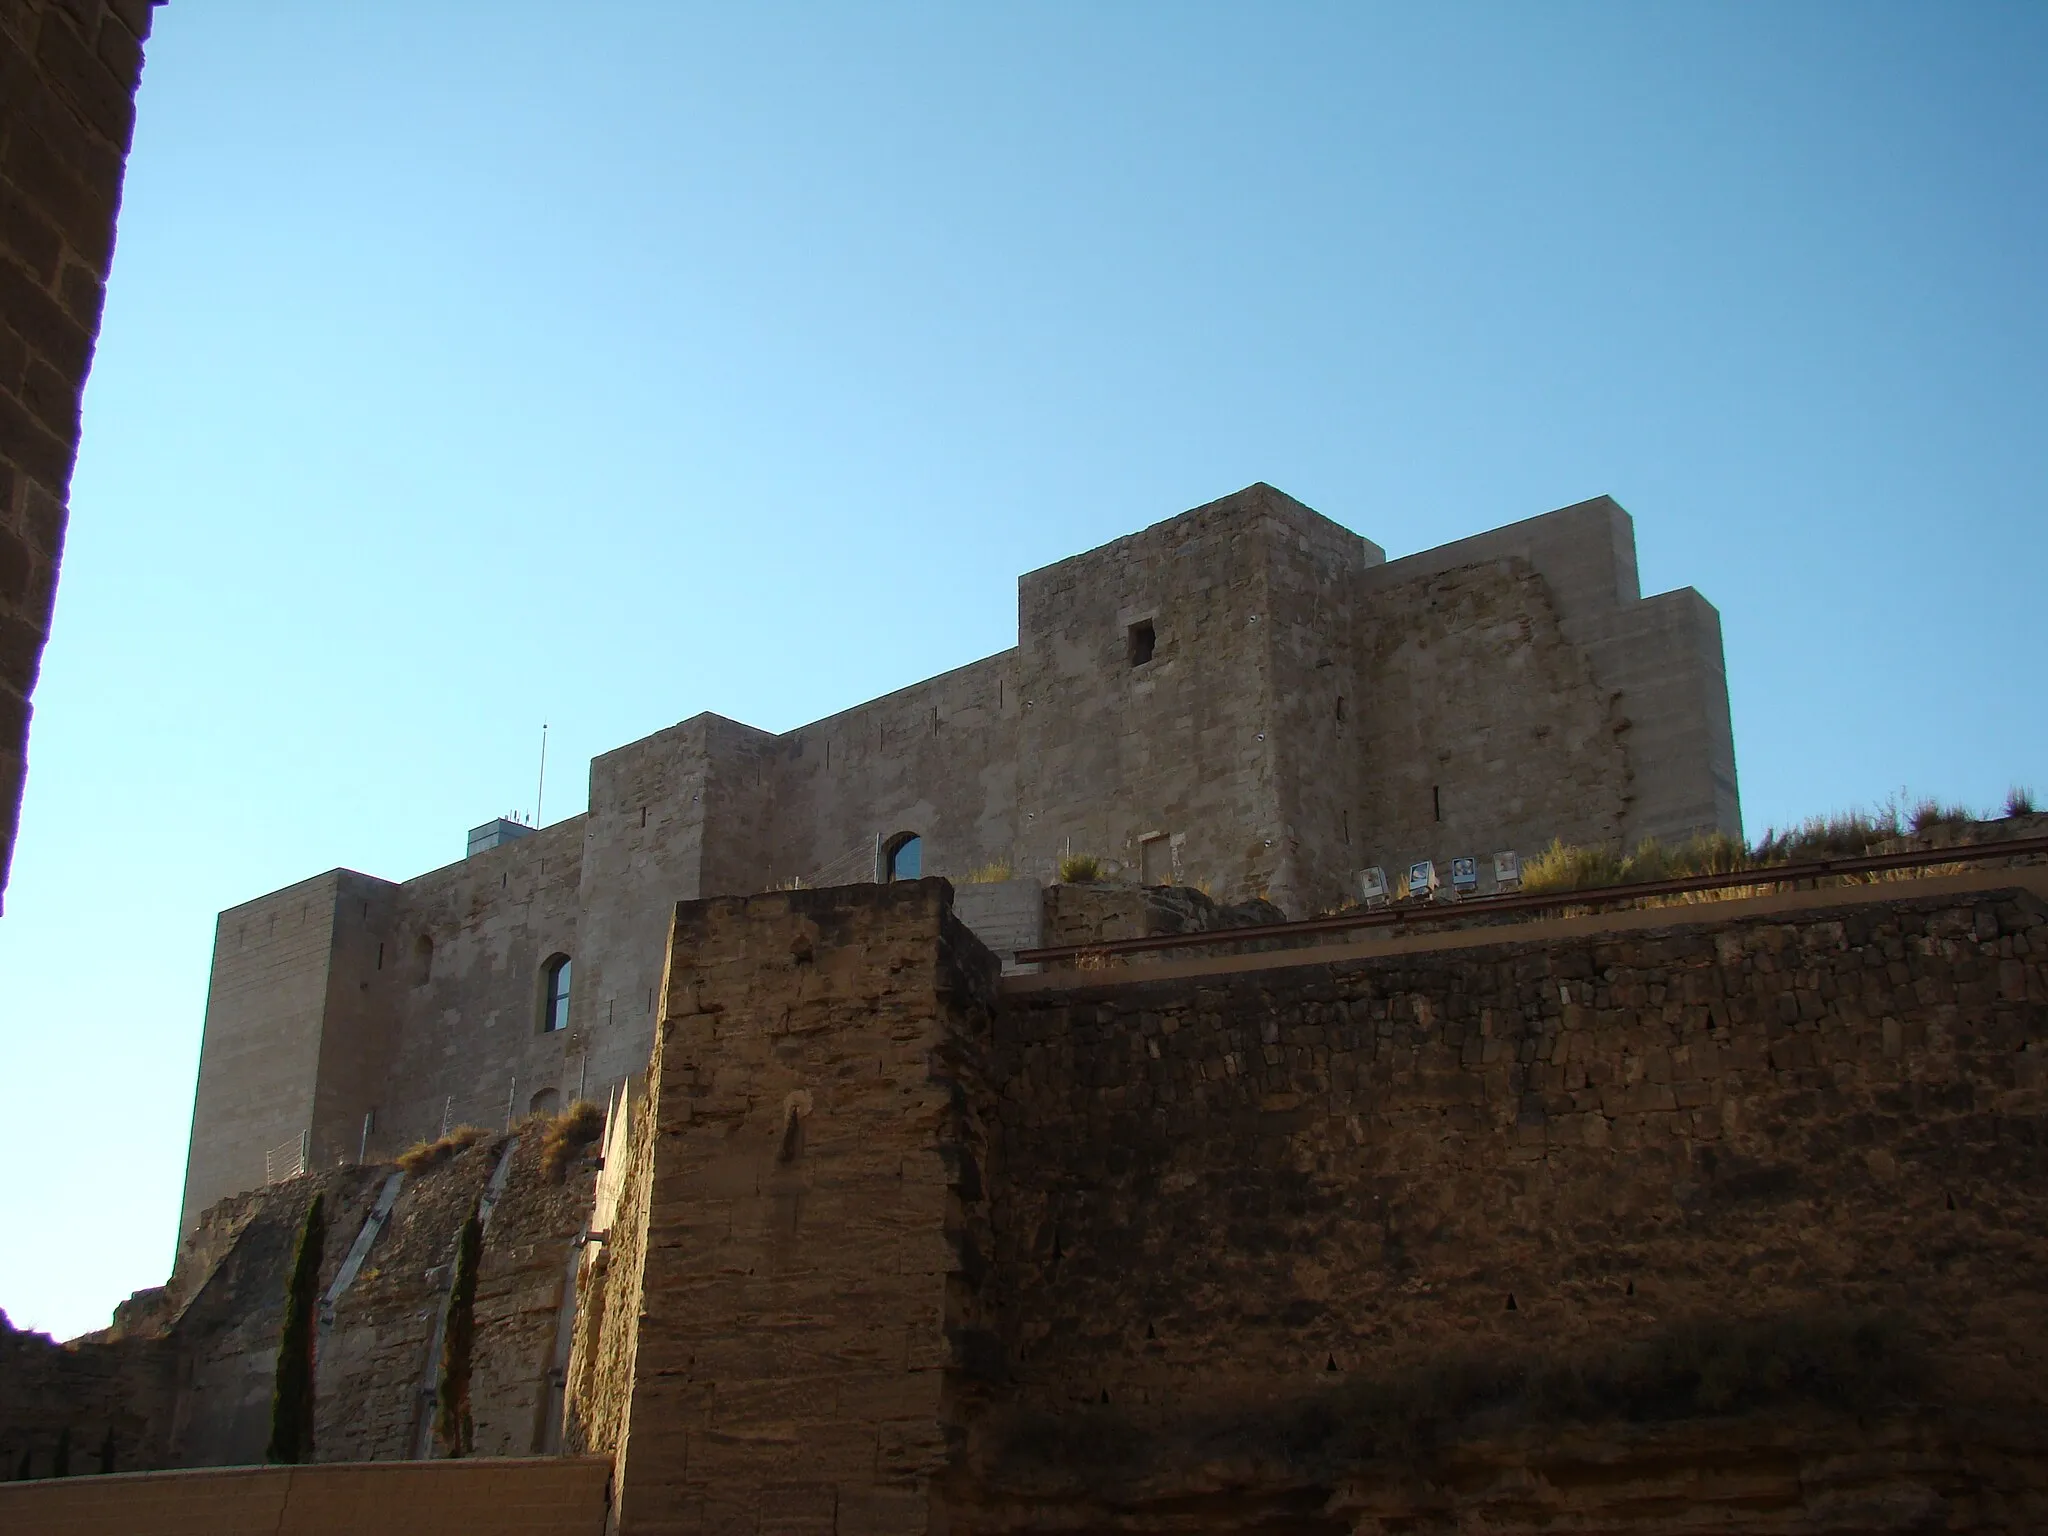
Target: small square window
(1140,640)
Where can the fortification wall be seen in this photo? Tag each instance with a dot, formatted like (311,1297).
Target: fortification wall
(1303,711)
(267,1004)
(1183,746)
(470,1043)
(938,759)
(1484,726)
(1658,659)
(781,1300)
(1733,1224)
(68,74)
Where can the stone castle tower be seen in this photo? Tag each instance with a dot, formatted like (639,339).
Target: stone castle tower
(1246,697)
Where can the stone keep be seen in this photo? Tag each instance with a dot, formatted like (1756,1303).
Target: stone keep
(1246,697)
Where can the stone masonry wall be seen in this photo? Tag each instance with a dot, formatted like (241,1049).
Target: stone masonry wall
(1732,1225)
(1486,727)
(68,73)
(790,1270)
(184,1378)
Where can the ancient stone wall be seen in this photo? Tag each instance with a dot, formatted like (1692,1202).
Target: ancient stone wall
(267,1032)
(790,1269)
(1658,658)
(1485,726)
(937,759)
(68,74)
(88,1405)
(470,1043)
(1300,713)
(1184,745)
(1732,1225)
(184,1379)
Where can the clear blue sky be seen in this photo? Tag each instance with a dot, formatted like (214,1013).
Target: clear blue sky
(467,365)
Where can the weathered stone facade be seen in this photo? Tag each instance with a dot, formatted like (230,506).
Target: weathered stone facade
(1727,1218)
(1244,698)
(184,1377)
(68,72)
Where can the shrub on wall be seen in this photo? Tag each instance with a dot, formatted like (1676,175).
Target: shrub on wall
(291,1400)
(454,1432)
(568,1134)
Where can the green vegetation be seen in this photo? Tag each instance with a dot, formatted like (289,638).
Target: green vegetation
(454,1431)
(291,1400)
(568,1134)
(1838,835)
(1081,869)
(1563,867)
(421,1156)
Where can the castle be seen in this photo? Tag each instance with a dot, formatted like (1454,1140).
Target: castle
(1246,698)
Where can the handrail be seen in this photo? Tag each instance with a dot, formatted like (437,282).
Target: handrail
(1412,913)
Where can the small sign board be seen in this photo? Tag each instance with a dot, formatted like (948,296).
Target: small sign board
(1464,876)
(1507,870)
(1422,881)
(1372,886)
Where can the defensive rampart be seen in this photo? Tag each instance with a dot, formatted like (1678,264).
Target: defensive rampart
(1733,1223)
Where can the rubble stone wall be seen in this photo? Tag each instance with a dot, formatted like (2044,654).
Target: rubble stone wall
(1302,1239)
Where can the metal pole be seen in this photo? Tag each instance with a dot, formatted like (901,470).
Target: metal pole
(511,1097)
(541,788)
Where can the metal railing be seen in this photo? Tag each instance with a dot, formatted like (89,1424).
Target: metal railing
(287,1161)
(1415,914)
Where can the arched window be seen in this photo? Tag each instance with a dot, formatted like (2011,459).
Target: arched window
(554,995)
(904,858)
(546,1102)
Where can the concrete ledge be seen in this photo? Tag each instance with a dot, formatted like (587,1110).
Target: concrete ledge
(550,1496)
(2032,878)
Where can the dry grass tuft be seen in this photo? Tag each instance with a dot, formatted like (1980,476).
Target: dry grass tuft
(995,872)
(2019,801)
(568,1134)
(421,1156)
(1081,869)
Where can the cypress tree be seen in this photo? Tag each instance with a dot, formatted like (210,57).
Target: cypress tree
(452,1427)
(291,1400)
(60,1464)
(27,1468)
(107,1451)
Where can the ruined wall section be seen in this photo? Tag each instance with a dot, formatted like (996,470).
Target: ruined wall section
(93,1401)
(1483,726)
(185,1377)
(804,1167)
(68,74)
(938,759)
(1425,1234)
(462,973)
